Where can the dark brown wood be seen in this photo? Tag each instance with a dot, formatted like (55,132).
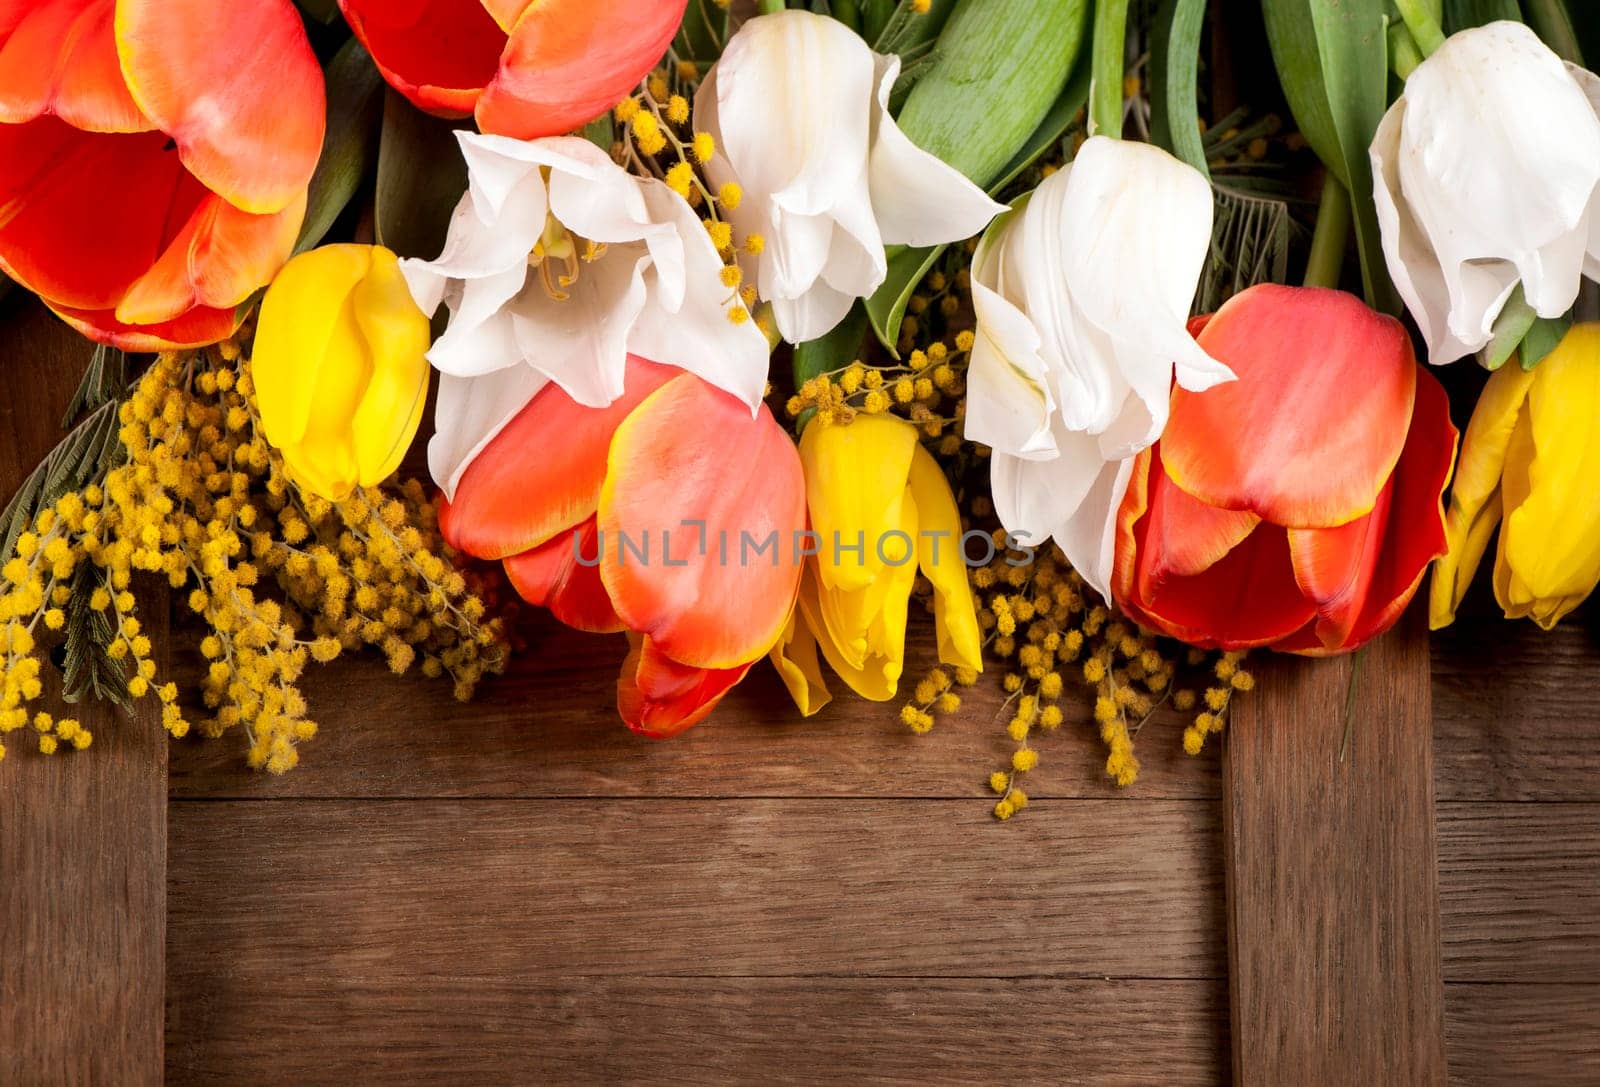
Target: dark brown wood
(320,1029)
(1547,1035)
(82,835)
(1333,930)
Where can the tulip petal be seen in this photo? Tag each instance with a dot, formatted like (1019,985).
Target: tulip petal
(60,57)
(1009,404)
(942,562)
(855,484)
(543,472)
(236,85)
(396,334)
(660,697)
(83,215)
(1185,536)
(862,632)
(692,471)
(470,412)
(1244,445)
(565,64)
(795,658)
(563,574)
(1550,542)
(440,54)
(196,328)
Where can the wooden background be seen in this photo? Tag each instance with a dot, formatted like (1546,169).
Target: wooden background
(520,891)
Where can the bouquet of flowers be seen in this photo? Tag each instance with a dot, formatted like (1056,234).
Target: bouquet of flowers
(759,333)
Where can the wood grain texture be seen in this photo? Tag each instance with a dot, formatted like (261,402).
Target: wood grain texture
(549,728)
(1519,885)
(82,835)
(1333,930)
(584,1030)
(490,888)
(1544,1035)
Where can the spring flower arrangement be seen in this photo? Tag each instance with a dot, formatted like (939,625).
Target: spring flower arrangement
(761,333)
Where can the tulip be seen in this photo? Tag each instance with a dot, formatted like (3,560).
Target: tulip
(557,265)
(1299,506)
(522,68)
(154,158)
(340,367)
(1485,174)
(798,107)
(1530,457)
(881,510)
(645,516)
(1082,297)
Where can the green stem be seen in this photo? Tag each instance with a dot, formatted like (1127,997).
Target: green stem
(1328,239)
(1105,84)
(1403,54)
(1425,30)
(1550,20)
(848,13)
(767,7)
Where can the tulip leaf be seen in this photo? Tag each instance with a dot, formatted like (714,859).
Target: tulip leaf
(1332,60)
(1464,14)
(1542,338)
(907,267)
(354,102)
(1174,81)
(838,348)
(323,11)
(1551,21)
(1515,319)
(421,176)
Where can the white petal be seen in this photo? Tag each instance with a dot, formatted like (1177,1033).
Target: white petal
(479,337)
(918,198)
(812,315)
(581,342)
(1089,536)
(470,412)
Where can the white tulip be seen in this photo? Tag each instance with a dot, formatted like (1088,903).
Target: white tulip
(558,265)
(1082,296)
(1486,172)
(798,108)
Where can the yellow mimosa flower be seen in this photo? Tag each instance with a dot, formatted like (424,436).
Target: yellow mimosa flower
(881,511)
(1530,458)
(340,367)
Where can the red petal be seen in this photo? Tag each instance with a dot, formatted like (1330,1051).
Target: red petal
(196,328)
(1185,536)
(568,61)
(440,54)
(1334,567)
(1312,429)
(60,57)
(543,472)
(660,697)
(84,215)
(1415,533)
(1245,599)
(692,478)
(552,576)
(236,85)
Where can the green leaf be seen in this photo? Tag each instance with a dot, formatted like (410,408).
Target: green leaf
(1516,318)
(1551,21)
(1542,338)
(421,176)
(354,100)
(87,668)
(84,456)
(1464,14)
(840,347)
(702,34)
(323,11)
(907,267)
(1174,81)
(1332,60)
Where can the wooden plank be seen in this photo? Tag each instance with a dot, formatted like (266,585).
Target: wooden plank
(692,1030)
(1520,889)
(1515,713)
(82,835)
(1333,929)
(549,728)
(1535,1034)
(550,888)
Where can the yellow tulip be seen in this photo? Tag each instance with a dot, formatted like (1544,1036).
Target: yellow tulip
(881,511)
(340,367)
(1531,456)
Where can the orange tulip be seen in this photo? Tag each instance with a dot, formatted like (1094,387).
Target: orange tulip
(154,158)
(523,68)
(635,517)
(1297,507)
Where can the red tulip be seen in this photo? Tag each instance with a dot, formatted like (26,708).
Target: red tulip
(1297,507)
(154,157)
(523,68)
(568,496)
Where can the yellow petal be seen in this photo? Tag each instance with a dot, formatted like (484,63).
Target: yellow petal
(300,316)
(1474,505)
(795,658)
(396,333)
(955,615)
(1550,543)
(855,476)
